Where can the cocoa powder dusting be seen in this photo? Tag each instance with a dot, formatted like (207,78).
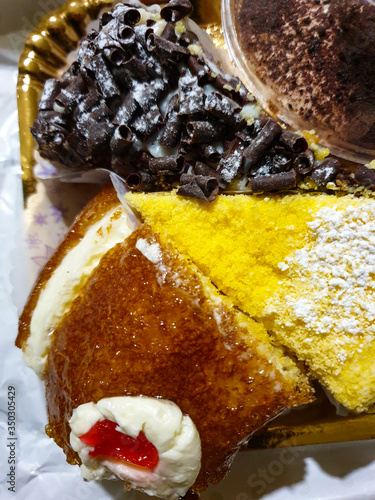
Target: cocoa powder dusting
(318,55)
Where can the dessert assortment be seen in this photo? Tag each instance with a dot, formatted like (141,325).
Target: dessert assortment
(198,317)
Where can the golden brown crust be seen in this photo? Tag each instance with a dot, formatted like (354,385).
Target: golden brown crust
(132,331)
(94,211)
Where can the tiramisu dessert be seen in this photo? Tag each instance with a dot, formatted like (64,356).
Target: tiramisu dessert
(173,379)
(312,61)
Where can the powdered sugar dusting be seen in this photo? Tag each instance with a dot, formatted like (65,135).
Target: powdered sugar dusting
(151,251)
(335,275)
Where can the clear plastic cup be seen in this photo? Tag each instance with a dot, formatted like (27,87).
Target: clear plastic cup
(311,64)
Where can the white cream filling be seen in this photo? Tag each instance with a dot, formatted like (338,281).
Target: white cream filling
(173,434)
(68,279)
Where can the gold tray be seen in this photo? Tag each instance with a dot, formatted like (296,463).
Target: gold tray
(44,54)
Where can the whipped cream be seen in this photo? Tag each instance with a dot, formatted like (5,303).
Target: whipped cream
(173,434)
(68,279)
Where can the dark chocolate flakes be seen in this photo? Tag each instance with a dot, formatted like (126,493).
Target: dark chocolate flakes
(143,106)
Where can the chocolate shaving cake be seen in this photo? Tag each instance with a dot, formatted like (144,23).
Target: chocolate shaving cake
(145,100)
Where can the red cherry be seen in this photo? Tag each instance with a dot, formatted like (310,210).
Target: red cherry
(110,443)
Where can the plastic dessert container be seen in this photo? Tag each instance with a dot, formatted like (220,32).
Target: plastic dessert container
(310,63)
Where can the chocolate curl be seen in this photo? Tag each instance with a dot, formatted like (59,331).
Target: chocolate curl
(211,154)
(222,84)
(126,35)
(166,165)
(241,94)
(188,38)
(166,49)
(169,33)
(198,186)
(109,37)
(365,176)
(224,108)
(91,100)
(100,113)
(346,179)
(49,128)
(263,142)
(184,147)
(274,182)
(192,97)
(147,124)
(204,131)
(127,110)
(104,79)
(52,89)
(206,171)
(142,34)
(304,162)
(51,135)
(70,96)
(115,55)
(122,167)
(265,166)
(140,181)
(137,67)
(293,142)
(52,120)
(231,163)
(172,131)
(246,135)
(198,69)
(231,87)
(145,49)
(122,139)
(175,10)
(126,15)
(109,34)
(86,54)
(325,172)
(92,36)
(123,77)
(99,136)
(147,94)
(282,162)
(259,123)
(105,19)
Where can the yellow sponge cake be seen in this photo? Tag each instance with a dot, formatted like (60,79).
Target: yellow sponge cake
(301,264)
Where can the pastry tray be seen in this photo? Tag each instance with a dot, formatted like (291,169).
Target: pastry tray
(45,53)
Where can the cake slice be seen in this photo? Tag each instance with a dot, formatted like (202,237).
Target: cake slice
(152,375)
(303,265)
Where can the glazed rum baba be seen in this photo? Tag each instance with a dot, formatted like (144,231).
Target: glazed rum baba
(167,365)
